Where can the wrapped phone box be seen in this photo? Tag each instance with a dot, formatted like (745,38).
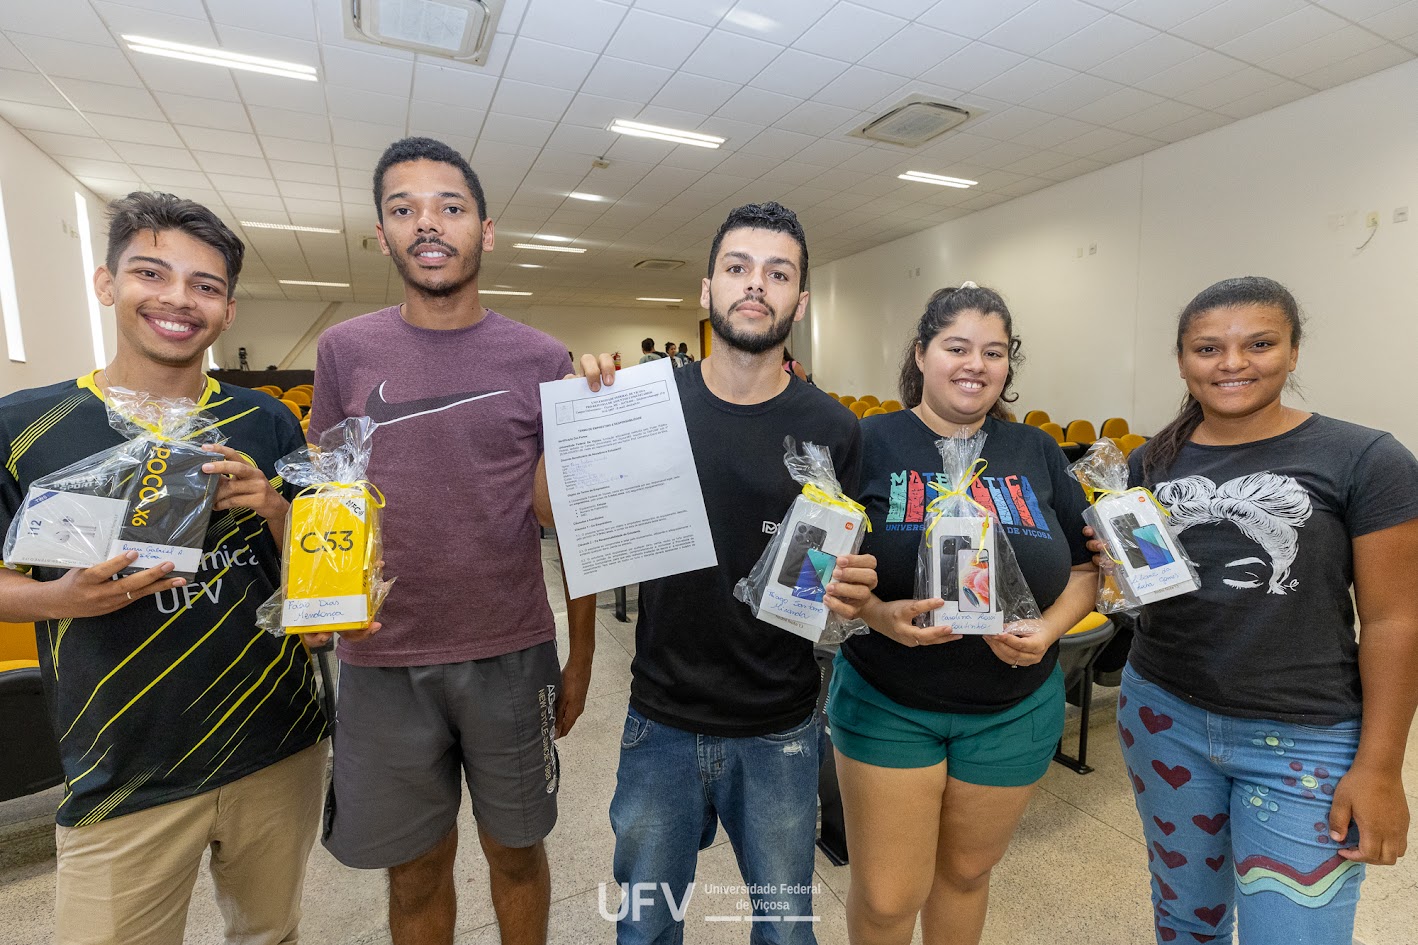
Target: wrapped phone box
(964,559)
(331,576)
(147,495)
(1149,563)
(787,586)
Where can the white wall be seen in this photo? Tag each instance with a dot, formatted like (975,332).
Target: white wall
(270,330)
(1261,196)
(51,285)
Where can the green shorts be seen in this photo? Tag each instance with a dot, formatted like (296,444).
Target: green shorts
(1012,748)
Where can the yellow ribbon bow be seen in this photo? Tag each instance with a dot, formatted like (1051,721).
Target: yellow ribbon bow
(961,491)
(821,496)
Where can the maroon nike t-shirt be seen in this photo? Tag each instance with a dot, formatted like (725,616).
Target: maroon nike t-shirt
(455,453)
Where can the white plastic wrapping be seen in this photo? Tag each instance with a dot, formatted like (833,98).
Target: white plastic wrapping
(1148,562)
(147,495)
(787,586)
(965,558)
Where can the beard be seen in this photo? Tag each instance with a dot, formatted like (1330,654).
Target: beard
(451,282)
(750,342)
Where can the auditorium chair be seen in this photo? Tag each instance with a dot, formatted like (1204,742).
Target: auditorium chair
(27,740)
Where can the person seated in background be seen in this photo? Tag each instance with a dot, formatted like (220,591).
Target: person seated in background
(684,355)
(671,352)
(648,352)
(182,726)
(793,367)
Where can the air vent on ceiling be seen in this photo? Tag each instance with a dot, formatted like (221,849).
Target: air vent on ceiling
(659,265)
(914,121)
(455,29)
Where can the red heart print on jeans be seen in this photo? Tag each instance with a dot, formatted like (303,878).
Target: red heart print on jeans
(1216,862)
(1211,916)
(1203,938)
(1168,893)
(1166,934)
(1137,784)
(1166,827)
(1122,702)
(1154,721)
(1125,735)
(1174,776)
(1211,825)
(1173,858)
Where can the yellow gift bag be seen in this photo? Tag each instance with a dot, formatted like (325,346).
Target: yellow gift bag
(332,573)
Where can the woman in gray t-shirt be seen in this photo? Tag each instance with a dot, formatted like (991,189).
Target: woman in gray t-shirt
(1263,740)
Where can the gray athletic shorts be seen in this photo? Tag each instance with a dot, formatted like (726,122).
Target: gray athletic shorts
(405,737)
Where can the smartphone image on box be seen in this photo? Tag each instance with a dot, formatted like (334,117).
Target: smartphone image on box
(1153,548)
(950,548)
(974,587)
(804,537)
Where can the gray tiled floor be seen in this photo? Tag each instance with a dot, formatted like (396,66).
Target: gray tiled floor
(1077,870)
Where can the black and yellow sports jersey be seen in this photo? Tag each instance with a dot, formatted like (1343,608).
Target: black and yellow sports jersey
(178,693)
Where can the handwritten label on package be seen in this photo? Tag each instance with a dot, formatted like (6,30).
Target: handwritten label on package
(319,611)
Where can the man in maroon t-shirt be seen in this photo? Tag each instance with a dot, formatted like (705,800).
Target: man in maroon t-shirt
(463,678)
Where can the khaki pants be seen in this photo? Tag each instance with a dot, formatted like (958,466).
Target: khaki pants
(128,881)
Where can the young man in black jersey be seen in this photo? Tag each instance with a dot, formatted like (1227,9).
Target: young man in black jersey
(182,726)
(722,724)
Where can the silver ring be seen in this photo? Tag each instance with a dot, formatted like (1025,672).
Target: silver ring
(128,594)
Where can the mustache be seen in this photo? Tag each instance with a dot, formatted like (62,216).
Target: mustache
(431,241)
(772,312)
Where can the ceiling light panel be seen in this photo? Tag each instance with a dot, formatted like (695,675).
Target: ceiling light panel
(219,57)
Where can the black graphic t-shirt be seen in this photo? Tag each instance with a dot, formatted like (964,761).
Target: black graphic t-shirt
(1270,525)
(703,662)
(178,693)
(1036,502)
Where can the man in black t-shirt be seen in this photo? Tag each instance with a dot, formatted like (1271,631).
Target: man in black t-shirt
(722,724)
(182,726)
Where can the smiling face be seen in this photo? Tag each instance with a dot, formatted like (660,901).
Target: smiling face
(965,367)
(169,294)
(1237,359)
(430,227)
(753,295)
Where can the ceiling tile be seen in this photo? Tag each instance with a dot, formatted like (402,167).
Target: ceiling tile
(1076,92)
(1226,21)
(1150,119)
(297,172)
(515,130)
(799,74)
(124,20)
(545,64)
(1398,23)
(778,21)
(849,32)
(1273,97)
(62,145)
(452,86)
(530,101)
(699,95)
(353,69)
(364,134)
(973,66)
(1053,133)
(288,124)
(1186,128)
(90,167)
(1118,105)
(656,40)
(730,57)
(1034,29)
(212,139)
(1164,14)
(1248,81)
(171,179)
(1340,45)
(1192,74)
(914,50)
(237,185)
(1147,58)
(270,16)
(204,112)
(1296,29)
(1347,70)
(215,163)
(584,24)
(63,58)
(624,80)
(972,18)
(859,87)
(276,92)
(706,12)
(816,118)
(154,156)
(777,144)
(44,118)
(758,106)
(1025,80)
(1097,43)
(185,78)
(587,142)
(30,88)
(113,128)
(367,106)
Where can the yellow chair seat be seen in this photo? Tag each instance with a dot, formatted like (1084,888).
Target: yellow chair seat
(874,412)
(1092,622)
(8,665)
(891,406)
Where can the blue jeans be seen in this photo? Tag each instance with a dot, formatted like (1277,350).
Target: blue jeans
(671,788)
(1236,816)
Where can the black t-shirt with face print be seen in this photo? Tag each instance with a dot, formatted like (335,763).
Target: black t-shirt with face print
(1270,525)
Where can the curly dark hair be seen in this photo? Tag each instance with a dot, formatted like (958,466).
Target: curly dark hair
(146,210)
(763,216)
(425,149)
